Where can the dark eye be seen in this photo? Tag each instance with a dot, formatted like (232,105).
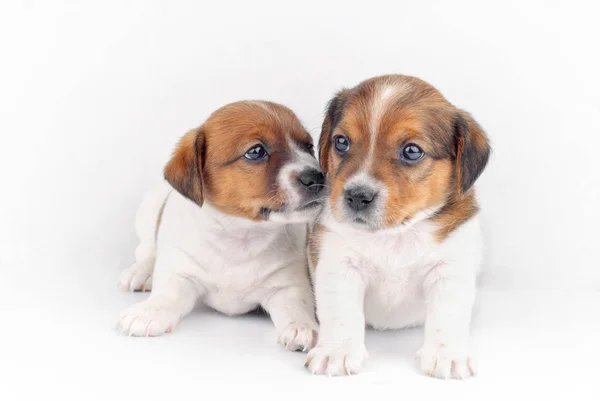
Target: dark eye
(341,143)
(310,146)
(256,153)
(412,152)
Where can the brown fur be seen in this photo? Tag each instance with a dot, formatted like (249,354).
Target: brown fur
(456,148)
(455,212)
(314,245)
(208,163)
(184,171)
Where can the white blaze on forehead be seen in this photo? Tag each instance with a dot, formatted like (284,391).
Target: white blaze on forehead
(378,107)
(383,98)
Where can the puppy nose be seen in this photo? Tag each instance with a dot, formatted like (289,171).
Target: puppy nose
(312,179)
(359,198)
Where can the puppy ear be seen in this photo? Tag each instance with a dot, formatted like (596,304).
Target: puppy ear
(184,170)
(472,150)
(333,115)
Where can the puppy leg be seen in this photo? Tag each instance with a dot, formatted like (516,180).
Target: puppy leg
(449,298)
(173,297)
(339,293)
(292,311)
(138,277)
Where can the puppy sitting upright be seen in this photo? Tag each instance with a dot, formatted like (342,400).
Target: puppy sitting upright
(399,243)
(233,232)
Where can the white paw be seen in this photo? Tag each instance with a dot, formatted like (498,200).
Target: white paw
(148,318)
(137,277)
(336,359)
(298,337)
(444,362)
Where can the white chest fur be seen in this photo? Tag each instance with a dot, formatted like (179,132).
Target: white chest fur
(235,262)
(395,279)
(396,264)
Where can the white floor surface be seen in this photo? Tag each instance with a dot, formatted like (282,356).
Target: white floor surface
(58,342)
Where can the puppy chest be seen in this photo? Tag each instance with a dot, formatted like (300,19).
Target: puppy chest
(388,285)
(395,272)
(231,280)
(232,289)
(394,299)
(394,256)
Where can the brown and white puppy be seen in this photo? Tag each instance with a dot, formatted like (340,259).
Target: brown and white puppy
(232,233)
(398,244)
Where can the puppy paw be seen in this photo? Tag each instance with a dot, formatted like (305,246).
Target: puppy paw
(298,337)
(336,359)
(148,318)
(137,277)
(444,362)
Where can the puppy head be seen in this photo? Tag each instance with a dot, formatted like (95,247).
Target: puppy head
(393,148)
(251,159)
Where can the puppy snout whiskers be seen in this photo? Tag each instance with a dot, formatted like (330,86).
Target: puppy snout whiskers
(313,180)
(359,198)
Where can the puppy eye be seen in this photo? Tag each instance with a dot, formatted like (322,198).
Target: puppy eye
(310,146)
(412,152)
(256,153)
(341,143)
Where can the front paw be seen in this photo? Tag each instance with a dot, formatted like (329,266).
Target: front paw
(336,359)
(137,277)
(298,337)
(148,318)
(444,362)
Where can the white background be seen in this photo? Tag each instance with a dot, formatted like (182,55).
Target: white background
(94,95)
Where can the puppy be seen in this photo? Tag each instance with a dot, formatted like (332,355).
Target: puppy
(228,227)
(399,242)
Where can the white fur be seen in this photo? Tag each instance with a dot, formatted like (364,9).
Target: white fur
(300,161)
(363,179)
(147,220)
(229,263)
(392,279)
(379,105)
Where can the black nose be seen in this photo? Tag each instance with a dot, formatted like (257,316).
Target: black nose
(312,179)
(359,198)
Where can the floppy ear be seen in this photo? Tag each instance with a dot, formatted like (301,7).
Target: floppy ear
(472,150)
(333,116)
(184,170)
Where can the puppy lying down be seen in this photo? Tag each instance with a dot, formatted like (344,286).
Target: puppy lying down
(228,227)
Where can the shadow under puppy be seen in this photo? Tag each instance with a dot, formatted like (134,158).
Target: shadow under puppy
(232,233)
(399,242)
